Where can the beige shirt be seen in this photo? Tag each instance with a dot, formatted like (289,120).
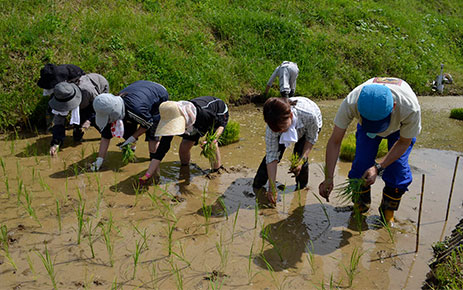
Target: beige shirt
(406,116)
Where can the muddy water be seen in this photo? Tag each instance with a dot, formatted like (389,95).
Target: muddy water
(227,250)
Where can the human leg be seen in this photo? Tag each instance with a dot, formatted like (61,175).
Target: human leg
(261,176)
(303,178)
(185,151)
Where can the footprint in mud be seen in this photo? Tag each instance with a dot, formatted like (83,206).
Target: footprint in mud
(214,275)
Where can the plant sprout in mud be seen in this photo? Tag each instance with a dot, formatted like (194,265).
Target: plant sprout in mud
(49,266)
(207,211)
(28,206)
(350,191)
(351,269)
(5,247)
(90,229)
(106,233)
(136,256)
(310,256)
(222,250)
(80,216)
(295,161)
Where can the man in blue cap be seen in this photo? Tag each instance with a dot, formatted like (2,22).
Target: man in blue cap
(385,108)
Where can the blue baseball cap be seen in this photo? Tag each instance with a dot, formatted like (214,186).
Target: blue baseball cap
(375,104)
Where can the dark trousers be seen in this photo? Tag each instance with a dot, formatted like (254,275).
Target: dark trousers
(302,179)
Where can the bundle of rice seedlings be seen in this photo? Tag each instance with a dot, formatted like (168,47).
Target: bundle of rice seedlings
(457,113)
(127,154)
(350,190)
(208,148)
(231,134)
(295,161)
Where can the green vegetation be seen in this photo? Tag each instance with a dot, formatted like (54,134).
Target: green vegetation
(347,152)
(457,113)
(231,134)
(127,154)
(225,48)
(208,147)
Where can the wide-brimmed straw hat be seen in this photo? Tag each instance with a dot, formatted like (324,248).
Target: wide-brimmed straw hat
(66,97)
(172,120)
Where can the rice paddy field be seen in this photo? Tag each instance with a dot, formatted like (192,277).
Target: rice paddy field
(67,228)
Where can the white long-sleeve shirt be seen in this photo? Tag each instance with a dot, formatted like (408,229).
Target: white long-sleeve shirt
(287,73)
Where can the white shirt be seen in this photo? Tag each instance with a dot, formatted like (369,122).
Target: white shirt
(287,73)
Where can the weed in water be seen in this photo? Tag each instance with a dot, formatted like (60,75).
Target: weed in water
(351,269)
(5,247)
(208,147)
(48,264)
(106,232)
(310,256)
(234,221)
(90,229)
(136,256)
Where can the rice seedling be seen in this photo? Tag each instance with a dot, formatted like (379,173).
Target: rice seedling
(45,186)
(49,161)
(222,250)
(114,285)
(295,161)
(350,191)
(106,232)
(65,166)
(351,269)
(99,196)
(7,186)
(127,154)
(12,145)
(323,208)
(178,274)
(207,211)
(28,206)
(222,204)
(182,254)
(310,256)
(136,256)
(249,269)
(58,214)
(388,227)
(82,151)
(19,191)
(266,236)
(170,231)
(272,273)
(154,276)
(234,221)
(90,229)
(75,169)
(230,134)
(2,163)
(33,174)
(5,246)
(208,147)
(31,267)
(48,264)
(138,190)
(143,235)
(256,215)
(80,216)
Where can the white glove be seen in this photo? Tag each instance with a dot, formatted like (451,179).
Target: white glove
(97,164)
(54,150)
(129,140)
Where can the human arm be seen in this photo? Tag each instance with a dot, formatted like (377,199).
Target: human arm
(331,158)
(397,150)
(58,134)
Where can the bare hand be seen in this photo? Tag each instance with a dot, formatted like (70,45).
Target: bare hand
(295,171)
(271,196)
(54,150)
(325,188)
(370,175)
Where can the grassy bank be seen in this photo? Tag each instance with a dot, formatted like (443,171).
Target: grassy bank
(225,48)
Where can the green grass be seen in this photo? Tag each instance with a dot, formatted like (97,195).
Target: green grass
(347,152)
(231,134)
(194,48)
(448,274)
(457,113)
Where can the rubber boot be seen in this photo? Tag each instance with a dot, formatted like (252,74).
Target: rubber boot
(364,199)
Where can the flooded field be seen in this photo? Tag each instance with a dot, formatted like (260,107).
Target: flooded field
(203,231)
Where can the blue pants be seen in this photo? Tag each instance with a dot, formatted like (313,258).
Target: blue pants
(397,175)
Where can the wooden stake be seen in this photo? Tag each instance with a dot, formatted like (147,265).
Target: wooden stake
(451,188)
(419,214)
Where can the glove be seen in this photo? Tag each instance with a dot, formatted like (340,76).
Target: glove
(129,140)
(54,150)
(97,164)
